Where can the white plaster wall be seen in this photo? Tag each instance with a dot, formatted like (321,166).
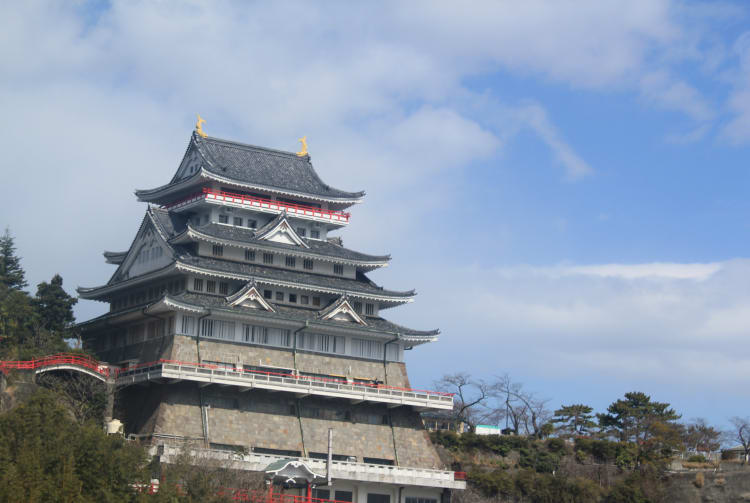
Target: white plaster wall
(238,337)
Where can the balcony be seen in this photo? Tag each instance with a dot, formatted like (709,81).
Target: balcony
(263,205)
(301,386)
(341,470)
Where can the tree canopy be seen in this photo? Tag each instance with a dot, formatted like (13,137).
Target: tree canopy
(650,425)
(574,420)
(46,456)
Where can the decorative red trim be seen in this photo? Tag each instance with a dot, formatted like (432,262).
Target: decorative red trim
(259,202)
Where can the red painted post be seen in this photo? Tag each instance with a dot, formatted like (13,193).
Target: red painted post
(309,493)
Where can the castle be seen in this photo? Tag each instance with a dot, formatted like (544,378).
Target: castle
(243,329)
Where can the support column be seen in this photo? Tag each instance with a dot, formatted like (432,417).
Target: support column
(109,409)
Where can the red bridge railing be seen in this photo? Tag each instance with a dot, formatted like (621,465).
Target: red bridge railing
(263,203)
(55,360)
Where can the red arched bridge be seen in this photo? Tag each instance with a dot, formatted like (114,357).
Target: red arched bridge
(63,361)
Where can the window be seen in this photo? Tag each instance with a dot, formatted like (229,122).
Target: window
(345,496)
(414,499)
(304,299)
(218,251)
(339,346)
(254,334)
(369,309)
(223,219)
(293,297)
(322,494)
(307,264)
(252,223)
(357,307)
(316,301)
(285,338)
(268,258)
(267,294)
(392,350)
(223,288)
(280,296)
(217,328)
(250,255)
(211,286)
(316,235)
(237,221)
(338,269)
(291,262)
(301,231)
(366,348)
(378,498)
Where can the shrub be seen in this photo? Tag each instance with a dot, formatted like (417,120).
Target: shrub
(556,445)
(697,458)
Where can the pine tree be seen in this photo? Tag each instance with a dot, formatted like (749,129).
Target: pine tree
(11,272)
(54,306)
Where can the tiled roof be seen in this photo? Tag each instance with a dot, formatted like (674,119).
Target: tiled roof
(362,284)
(374,323)
(260,167)
(316,246)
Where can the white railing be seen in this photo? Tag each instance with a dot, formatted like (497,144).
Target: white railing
(285,382)
(343,470)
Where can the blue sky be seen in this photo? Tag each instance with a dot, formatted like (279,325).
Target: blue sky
(564,183)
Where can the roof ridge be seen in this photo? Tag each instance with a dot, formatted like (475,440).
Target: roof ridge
(237,144)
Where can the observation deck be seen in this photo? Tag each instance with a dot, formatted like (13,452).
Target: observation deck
(301,386)
(309,212)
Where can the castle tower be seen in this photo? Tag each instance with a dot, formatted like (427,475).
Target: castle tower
(240,326)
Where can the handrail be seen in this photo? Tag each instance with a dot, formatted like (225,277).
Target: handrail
(58,359)
(261,202)
(127,370)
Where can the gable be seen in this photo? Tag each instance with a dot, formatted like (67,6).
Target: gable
(148,253)
(190,165)
(249,296)
(283,233)
(344,312)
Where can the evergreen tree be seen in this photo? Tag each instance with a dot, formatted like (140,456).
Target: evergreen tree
(54,306)
(574,419)
(46,456)
(11,272)
(650,425)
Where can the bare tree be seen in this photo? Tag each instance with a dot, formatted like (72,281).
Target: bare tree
(470,396)
(699,436)
(741,434)
(83,395)
(524,411)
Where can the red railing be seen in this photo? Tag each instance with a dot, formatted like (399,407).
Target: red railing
(263,203)
(459,475)
(58,359)
(275,374)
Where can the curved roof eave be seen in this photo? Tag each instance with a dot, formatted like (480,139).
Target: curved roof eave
(191,233)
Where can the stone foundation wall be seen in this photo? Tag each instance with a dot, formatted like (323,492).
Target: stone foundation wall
(262,419)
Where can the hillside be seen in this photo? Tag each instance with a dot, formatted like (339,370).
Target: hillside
(514,469)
